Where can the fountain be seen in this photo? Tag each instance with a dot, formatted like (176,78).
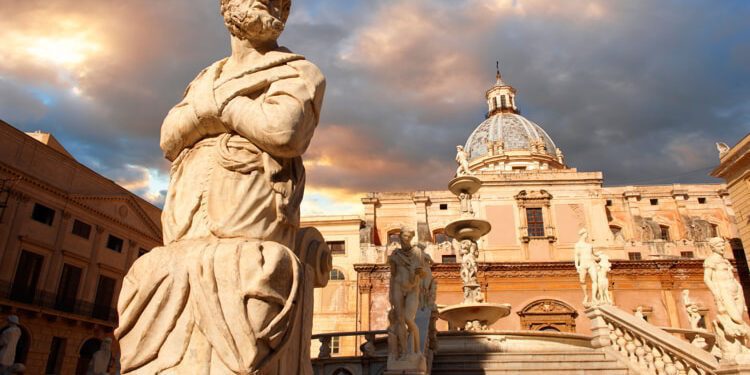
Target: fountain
(474,313)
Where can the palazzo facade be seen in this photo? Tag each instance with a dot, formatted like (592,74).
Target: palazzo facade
(656,237)
(67,237)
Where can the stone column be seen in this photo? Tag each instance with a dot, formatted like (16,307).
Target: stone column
(422,201)
(371,204)
(55,265)
(92,270)
(680,197)
(10,252)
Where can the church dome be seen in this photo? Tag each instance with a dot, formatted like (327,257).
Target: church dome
(507,141)
(513,131)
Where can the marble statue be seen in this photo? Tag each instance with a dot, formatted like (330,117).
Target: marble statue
(723,148)
(731,330)
(602,279)
(428,285)
(229,292)
(559,155)
(407,269)
(585,263)
(462,158)
(99,364)
(8,341)
(693,311)
(639,313)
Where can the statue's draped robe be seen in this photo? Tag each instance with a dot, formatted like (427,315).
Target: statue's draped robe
(220,295)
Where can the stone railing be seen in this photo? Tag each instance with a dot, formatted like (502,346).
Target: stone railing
(644,347)
(699,338)
(367,348)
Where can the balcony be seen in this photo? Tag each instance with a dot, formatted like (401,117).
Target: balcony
(49,304)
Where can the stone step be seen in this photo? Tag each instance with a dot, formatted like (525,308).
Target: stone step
(558,363)
(448,371)
(510,357)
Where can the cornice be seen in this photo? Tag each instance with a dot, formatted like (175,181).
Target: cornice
(71,198)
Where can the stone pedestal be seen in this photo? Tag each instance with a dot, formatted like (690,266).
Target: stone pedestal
(412,364)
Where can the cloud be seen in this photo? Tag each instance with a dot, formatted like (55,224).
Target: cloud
(633,89)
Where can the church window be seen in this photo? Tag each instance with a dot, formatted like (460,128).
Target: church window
(337,275)
(702,200)
(43,214)
(337,247)
(519,169)
(535,222)
(654,202)
(335,345)
(440,236)
(502,101)
(616,231)
(105,291)
(56,355)
(443,206)
(115,243)
(394,236)
(81,229)
(634,256)
(664,232)
(714,231)
(27,277)
(687,254)
(449,259)
(609,202)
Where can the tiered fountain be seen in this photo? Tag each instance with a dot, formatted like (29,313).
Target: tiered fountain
(474,313)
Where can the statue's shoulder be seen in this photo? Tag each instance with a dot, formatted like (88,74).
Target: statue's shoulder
(203,73)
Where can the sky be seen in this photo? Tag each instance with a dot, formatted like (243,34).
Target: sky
(640,90)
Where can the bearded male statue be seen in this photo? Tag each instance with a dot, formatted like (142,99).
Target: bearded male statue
(231,290)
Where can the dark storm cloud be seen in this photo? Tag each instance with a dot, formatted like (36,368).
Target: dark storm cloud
(640,90)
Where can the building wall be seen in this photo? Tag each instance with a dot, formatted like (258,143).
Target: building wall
(336,304)
(37,174)
(734,167)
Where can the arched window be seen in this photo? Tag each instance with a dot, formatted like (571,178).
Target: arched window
(86,353)
(337,275)
(440,237)
(548,315)
(714,231)
(664,232)
(394,236)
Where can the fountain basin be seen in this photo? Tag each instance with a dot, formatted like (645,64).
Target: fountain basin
(464,184)
(471,229)
(489,313)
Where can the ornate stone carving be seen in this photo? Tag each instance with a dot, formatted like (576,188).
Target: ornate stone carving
(469,252)
(8,341)
(731,330)
(602,278)
(230,292)
(462,158)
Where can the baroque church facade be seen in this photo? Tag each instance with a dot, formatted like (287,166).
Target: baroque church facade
(656,237)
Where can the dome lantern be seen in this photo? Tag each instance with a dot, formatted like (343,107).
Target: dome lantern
(501,98)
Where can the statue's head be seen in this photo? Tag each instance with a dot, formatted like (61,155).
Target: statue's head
(685,292)
(407,235)
(255,20)
(583,233)
(459,148)
(13,319)
(717,245)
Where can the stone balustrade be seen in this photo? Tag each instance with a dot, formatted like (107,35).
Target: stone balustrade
(646,348)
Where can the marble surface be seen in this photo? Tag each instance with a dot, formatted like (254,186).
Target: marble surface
(229,291)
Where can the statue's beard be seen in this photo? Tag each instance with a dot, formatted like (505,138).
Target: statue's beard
(247,23)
